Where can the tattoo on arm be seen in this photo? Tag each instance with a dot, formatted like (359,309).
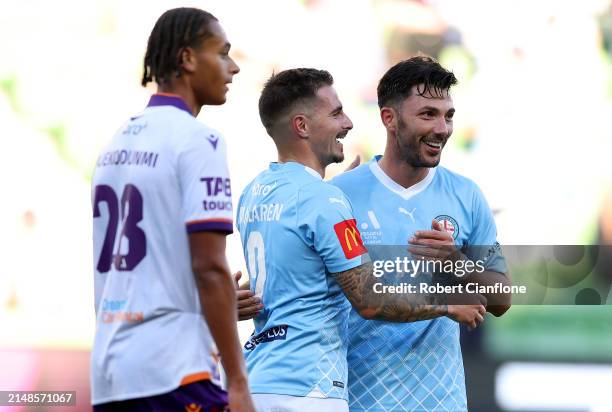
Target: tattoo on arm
(358,285)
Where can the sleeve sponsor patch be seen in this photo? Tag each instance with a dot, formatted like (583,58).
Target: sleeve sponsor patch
(350,238)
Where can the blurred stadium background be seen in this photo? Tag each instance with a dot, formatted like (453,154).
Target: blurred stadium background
(533,129)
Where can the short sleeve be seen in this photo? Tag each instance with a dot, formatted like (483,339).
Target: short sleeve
(205,183)
(326,221)
(483,240)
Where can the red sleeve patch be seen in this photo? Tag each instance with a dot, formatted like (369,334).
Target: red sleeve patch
(350,238)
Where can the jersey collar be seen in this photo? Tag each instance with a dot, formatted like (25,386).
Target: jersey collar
(295,166)
(167,99)
(395,187)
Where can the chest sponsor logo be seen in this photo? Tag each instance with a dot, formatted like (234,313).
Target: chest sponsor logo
(350,238)
(370,229)
(274,333)
(449,224)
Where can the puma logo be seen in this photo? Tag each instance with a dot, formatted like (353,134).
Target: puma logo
(336,200)
(411,213)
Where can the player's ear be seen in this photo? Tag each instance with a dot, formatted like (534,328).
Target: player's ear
(388,115)
(187,59)
(299,125)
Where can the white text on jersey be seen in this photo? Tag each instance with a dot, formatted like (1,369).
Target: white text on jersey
(261,213)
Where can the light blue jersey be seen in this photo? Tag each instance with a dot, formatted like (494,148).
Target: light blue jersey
(296,231)
(411,366)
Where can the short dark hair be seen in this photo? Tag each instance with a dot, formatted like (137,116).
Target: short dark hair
(396,84)
(284,90)
(175,30)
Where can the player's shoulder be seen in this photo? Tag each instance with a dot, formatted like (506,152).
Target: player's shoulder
(182,122)
(251,186)
(179,129)
(167,117)
(196,136)
(455,180)
(352,177)
(200,131)
(321,199)
(320,190)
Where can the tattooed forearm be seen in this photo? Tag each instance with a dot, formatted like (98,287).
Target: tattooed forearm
(358,285)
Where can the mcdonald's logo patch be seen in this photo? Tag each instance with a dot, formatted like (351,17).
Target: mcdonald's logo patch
(350,238)
(193,408)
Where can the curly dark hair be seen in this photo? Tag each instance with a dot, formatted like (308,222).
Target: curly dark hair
(175,30)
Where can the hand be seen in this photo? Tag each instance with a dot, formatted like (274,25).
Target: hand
(470,315)
(434,244)
(354,163)
(240,398)
(237,277)
(248,304)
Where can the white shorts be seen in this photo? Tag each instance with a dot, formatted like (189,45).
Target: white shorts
(267,402)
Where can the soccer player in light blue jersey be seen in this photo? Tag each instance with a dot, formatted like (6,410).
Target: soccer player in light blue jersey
(305,254)
(405,194)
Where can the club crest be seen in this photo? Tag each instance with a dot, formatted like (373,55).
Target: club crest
(449,224)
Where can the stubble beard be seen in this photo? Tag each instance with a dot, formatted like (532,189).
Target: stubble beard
(330,158)
(410,152)
(337,158)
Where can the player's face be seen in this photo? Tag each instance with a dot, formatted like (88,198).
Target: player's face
(214,67)
(328,124)
(424,125)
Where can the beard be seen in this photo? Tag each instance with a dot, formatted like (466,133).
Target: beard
(409,148)
(337,157)
(330,157)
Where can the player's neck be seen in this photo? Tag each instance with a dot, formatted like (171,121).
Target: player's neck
(184,92)
(402,173)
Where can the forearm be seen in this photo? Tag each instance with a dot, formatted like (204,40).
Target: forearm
(400,310)
(218,299)
(359,289)
(497,303)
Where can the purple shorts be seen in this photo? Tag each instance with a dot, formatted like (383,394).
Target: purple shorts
(201,396)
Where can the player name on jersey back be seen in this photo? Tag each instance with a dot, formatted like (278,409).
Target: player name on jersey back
(270,212)
(128,157)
